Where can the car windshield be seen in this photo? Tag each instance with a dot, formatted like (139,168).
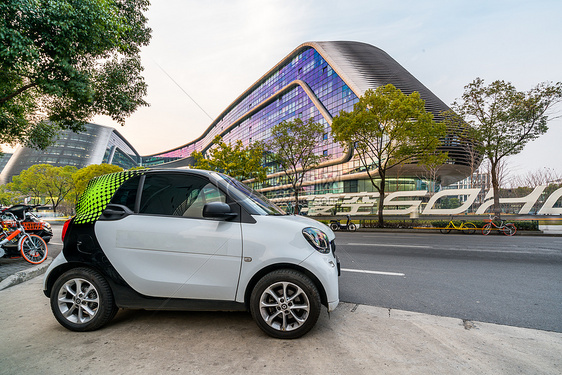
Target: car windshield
(254,201)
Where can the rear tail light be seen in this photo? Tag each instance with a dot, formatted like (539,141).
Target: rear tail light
(64,228)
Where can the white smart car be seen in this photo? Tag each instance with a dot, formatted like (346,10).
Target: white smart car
(190,240)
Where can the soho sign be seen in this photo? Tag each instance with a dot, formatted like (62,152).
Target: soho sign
(359,203)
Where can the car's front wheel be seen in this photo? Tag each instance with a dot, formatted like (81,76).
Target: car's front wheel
(285,304)
(81,300)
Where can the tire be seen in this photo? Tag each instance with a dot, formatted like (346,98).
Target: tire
(352,227)
(33,249)
(487,229)
(509,230)
(445,230)
(82,300)
(469,228)
(334,227)
(285,304)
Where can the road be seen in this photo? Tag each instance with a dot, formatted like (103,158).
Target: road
(514,281)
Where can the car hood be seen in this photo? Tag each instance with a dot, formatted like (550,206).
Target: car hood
(308,222)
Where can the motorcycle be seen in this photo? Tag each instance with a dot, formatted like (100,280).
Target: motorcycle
(32,223)
(336,225)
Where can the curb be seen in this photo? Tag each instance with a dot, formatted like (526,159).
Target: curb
(28,274)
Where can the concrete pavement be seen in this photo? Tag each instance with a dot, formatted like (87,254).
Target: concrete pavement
(16,271)
(355,339)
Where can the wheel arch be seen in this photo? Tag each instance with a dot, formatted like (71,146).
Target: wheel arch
(278,266)
(57,272)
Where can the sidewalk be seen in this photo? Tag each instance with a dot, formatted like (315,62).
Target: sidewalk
(16,271)
(354,339)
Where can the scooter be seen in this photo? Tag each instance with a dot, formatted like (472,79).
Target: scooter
(336,225)
(31,223)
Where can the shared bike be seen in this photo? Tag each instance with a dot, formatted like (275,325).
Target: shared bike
(464,227)
(14,240)
(508,229)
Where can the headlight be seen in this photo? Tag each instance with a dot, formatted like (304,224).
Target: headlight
(318,239)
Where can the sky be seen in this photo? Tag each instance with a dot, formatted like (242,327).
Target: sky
(216,49)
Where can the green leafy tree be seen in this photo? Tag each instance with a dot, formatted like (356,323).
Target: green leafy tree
(235,160)
(293,144)
(64,61)
(504,120)
(82,177)
(8,197)
(44,180)
(388,129)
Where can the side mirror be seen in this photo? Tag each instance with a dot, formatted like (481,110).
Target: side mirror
(218,210)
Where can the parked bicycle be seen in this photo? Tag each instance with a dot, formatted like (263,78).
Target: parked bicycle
(464,227)
(15,240)
(31,222)
(509,229)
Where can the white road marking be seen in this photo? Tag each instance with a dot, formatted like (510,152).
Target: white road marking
(388,245)
(374,272)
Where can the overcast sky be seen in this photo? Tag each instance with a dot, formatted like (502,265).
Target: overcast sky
(216,49)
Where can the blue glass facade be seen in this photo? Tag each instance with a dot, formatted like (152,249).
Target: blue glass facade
(304,87)
(317,80)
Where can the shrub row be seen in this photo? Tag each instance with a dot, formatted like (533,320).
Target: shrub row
(412,223)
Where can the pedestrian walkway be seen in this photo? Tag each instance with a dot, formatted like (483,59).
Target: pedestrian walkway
(16,271)
(354,339)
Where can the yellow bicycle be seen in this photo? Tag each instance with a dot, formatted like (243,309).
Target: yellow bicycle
(464,227)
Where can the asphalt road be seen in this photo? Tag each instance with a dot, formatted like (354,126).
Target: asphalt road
(514,281)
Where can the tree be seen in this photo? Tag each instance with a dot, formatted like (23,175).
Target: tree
(504,120)
(8,197)
(64,61)
(387,129)
(463,135)
(44,180)
(432,163)
(293,144)
(532,179)
(82,177)
(242,163)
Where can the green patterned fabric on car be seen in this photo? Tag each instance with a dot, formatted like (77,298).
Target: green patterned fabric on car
(98,194)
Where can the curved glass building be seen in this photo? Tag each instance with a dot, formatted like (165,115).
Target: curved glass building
(97,144)
(318,80)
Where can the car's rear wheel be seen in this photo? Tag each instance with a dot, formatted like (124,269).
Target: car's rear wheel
(285,304)
(81,300)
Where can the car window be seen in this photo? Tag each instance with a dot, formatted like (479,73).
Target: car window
(177,195)
(127,193)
